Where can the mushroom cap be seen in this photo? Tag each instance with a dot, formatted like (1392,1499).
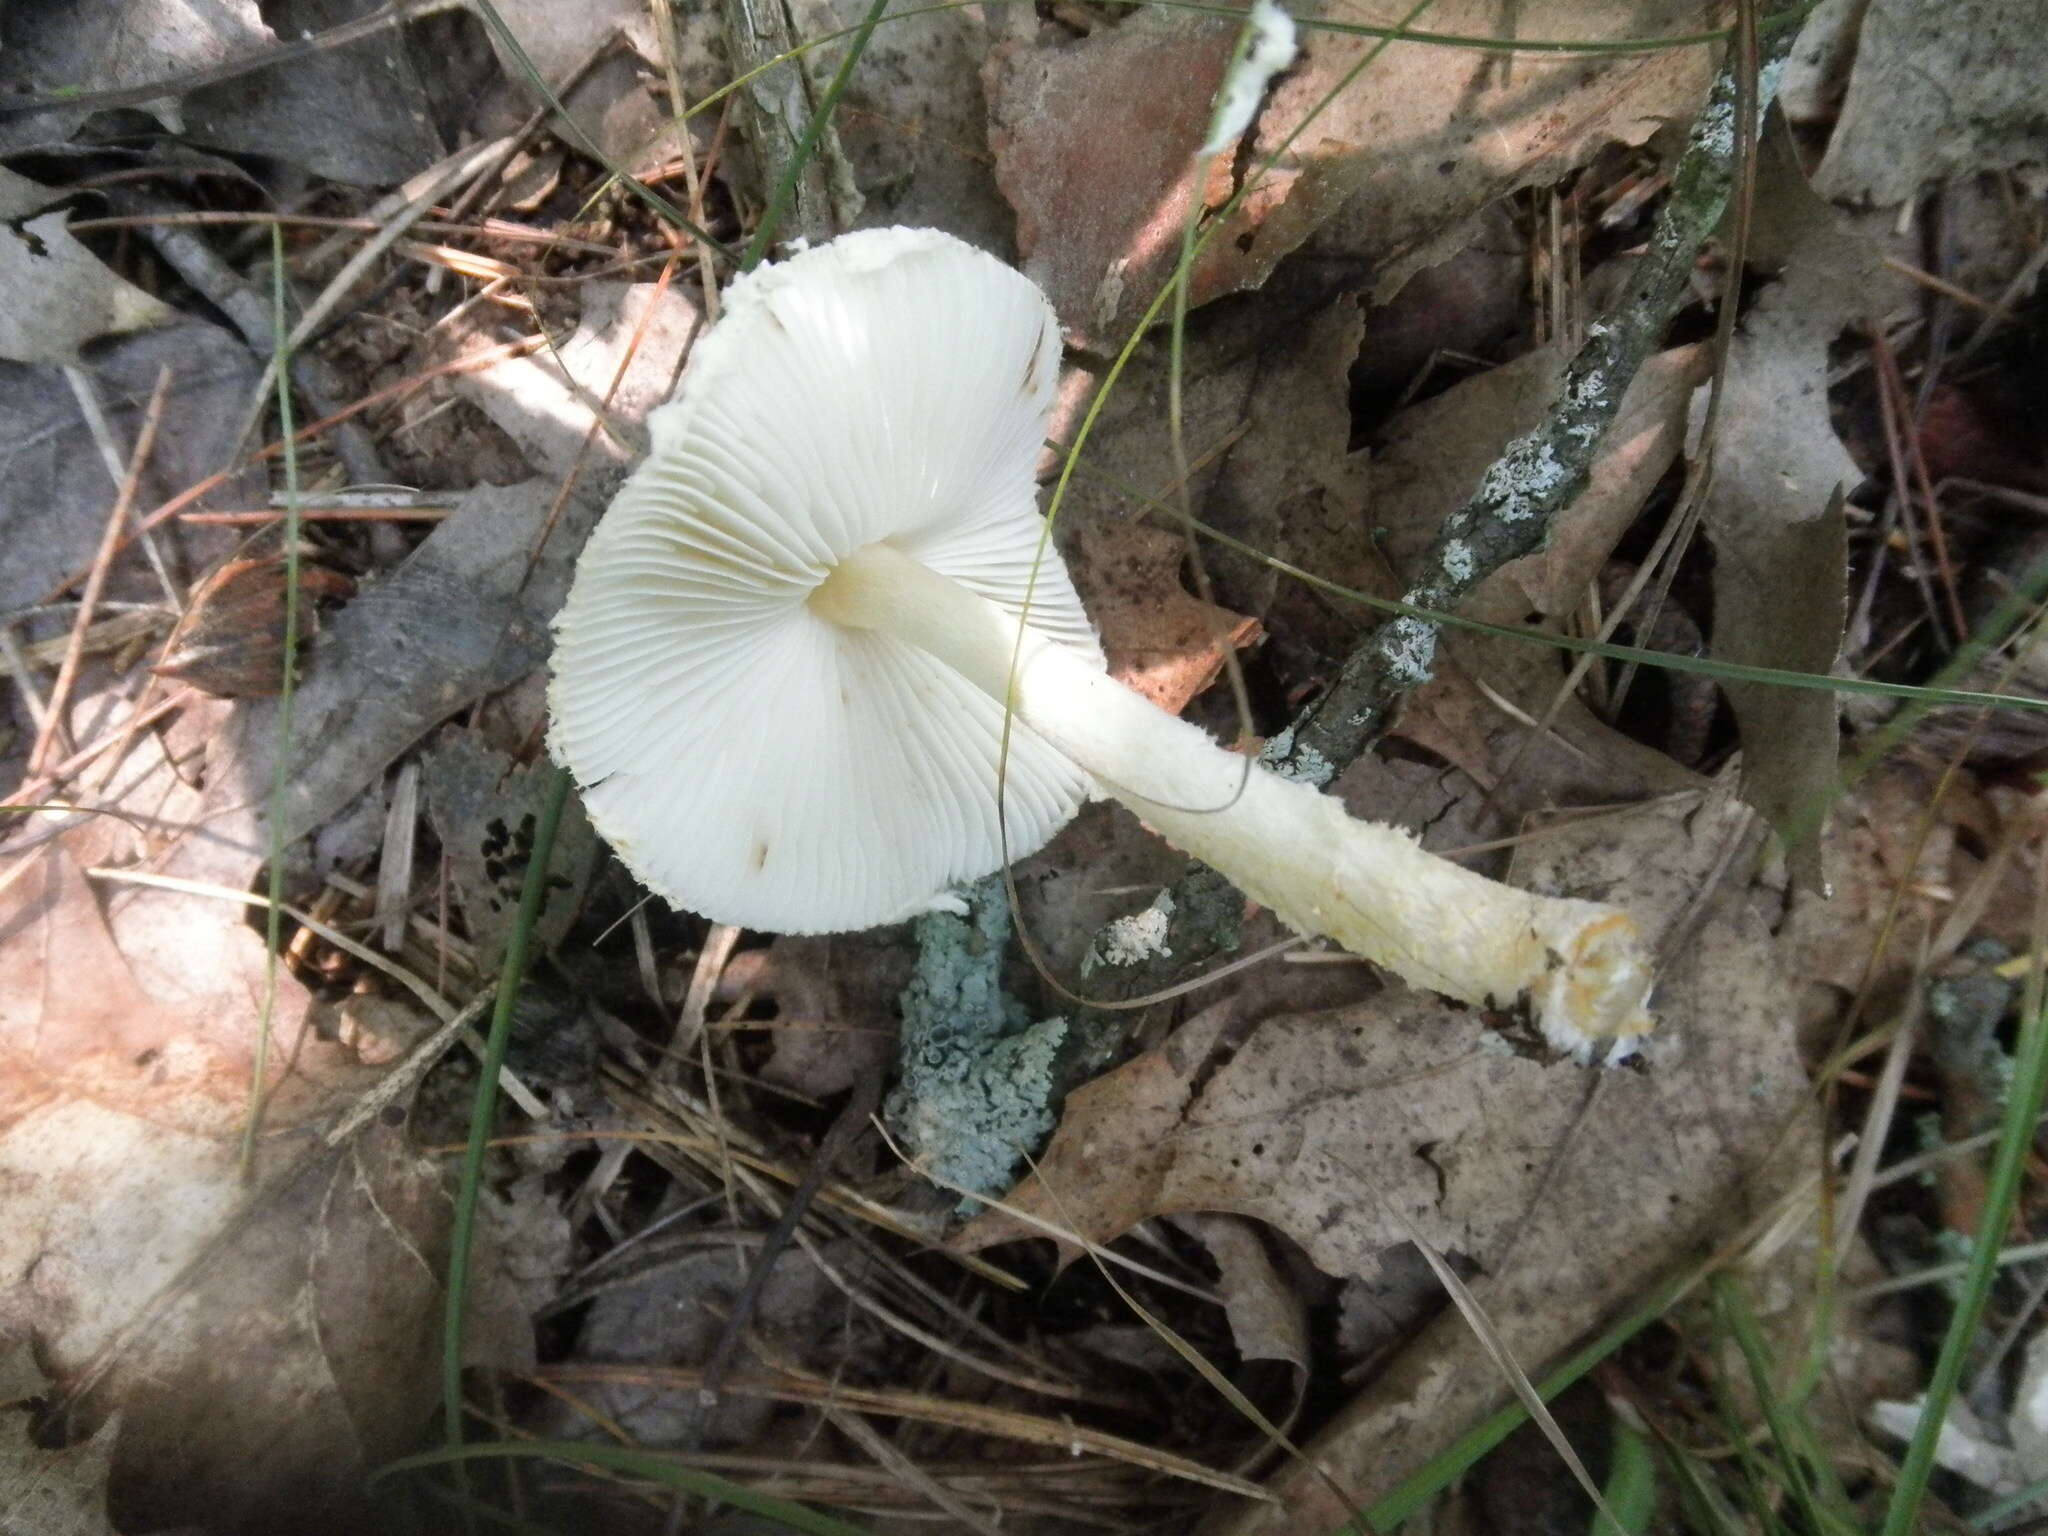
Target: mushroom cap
(747,759)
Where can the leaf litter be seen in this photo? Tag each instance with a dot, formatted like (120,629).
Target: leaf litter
(1268,1153)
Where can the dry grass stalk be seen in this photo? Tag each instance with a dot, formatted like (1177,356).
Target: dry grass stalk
(95,580)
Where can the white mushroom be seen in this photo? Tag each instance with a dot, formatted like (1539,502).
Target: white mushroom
(783,672)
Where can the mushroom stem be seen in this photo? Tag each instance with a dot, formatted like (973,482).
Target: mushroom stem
(1369,886)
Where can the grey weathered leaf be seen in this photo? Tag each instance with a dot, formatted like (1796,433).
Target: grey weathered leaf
(58,487)
(484,808)
(1937,90)
(458,620)
(363,113)
(1780,540)
(59,295)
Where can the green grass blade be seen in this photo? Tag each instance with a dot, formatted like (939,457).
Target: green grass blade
(1807,1472)
(483,1111)
(807,146)
(651,1465)
(1631,1488)
(280,770)
(2008,1166)
(1436,1474)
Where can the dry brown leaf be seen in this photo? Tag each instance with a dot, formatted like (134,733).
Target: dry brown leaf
(1937,91)
(264,1342)
(1162,641)
(1780,541)
(1567,1191)
(1101,174)
(1320,1123)
(1268,1320)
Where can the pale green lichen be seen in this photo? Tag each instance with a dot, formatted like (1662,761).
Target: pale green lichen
(976,1082)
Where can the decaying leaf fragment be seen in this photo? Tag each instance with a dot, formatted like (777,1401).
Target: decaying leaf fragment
(1937,90)
(1161,640)
(45,1491)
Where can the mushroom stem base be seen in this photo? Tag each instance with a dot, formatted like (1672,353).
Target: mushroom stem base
(1369,886)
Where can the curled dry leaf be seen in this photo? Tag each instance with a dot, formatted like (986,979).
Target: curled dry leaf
(230,642)
(1267,1318)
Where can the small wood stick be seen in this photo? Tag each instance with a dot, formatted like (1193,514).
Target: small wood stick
(96,578)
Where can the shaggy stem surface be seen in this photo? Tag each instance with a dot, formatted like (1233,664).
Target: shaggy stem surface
(1367,885)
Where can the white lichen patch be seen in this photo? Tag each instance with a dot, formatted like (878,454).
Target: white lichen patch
(1714,133)
(1139,936)
(1410,649)
(1522,478)
(1308,766)
(1457,560)
(1589,391)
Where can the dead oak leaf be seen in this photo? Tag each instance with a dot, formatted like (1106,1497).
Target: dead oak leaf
(1354,1128)
(1162,641)
(1101,174)
(263,1343)
(1424,136)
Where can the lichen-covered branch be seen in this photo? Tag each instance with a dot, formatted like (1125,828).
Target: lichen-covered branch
(1541,472)
(1508,516)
